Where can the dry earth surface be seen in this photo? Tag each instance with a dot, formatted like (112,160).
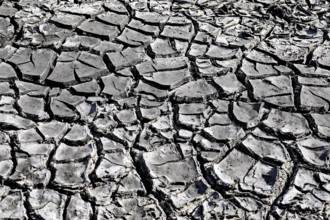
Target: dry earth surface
(160,109)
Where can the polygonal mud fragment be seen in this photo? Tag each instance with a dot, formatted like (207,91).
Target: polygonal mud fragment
(209,151)
(53,131)
(110,145)
(76,42)
(193,115)
(31,89)
(154,93)
(32,107)
(77,135)
(162,64)
(315,151)
(216,206)
(230,134)
(12,204)
(62,111)
(322,123)
(261,179)
(34,65)
(307,81)
(306,193)
(314,98)
(288,52)
(179,32)
(67,98)
(78,209)
(63,74)
(149,140)
(15,122)
(127,117)
(105,47)
(7,31)
(276,90)
(151,17)
(116,86)
(102,193)
(131,185)
(67,20)
(47,204)
(30,135)
(6,52)
(238,171)
(104,124)
(7,72)
(195,191)
(250,70)
(228,84)
(90,66)
(273,151)
(31,169)
(168,79)
(90,88)
(6,163)
(223,53)
(114,165)
(248,113)
(119,20)
(125,58)
(72,175)
(168,48)
(126,135)
(161,168)
(194,91)
(260,57)
(151,30)
(99,29)
(134,38)
(65,153)
(231,170)
(321,54)
(87,8)
(5,90)
(139,207)
(287,124)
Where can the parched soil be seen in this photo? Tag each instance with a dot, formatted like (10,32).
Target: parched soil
(164,109)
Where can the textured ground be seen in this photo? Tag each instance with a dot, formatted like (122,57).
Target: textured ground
(183,109)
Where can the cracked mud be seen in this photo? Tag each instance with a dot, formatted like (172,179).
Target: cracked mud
(164,109)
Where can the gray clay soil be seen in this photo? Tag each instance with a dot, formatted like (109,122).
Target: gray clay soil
(164,109)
